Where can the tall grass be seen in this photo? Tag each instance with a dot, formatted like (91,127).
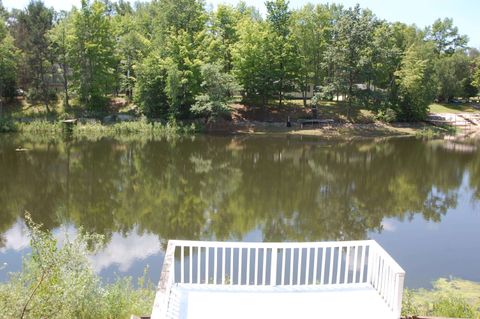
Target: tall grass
(137,129)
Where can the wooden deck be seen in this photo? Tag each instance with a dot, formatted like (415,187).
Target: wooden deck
(355,279)
(219,302)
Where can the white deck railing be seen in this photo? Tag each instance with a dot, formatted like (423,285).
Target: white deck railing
(275,264)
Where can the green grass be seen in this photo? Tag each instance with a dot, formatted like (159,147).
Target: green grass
(452,108)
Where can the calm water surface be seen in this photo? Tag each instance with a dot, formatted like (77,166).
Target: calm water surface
(419,199)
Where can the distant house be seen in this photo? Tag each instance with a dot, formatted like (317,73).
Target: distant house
(299,95)
(55,78)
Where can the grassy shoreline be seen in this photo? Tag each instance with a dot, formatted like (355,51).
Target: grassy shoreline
(143,128)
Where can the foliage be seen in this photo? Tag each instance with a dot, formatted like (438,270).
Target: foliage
(409,308)
(60,48)
(7,125)
(31,29)
(311,30)
(252,56)
(40,127)
(153,53)
(435,132)
(452,73)
(8,64)
(131,48)
(140,128)
(283,62)
(415,81)
(326,93)
(455,298)
(218,88)
(453,307)
(150,87)
(350,51)
(224,22)
(57,281)
(445,36)
(476,74)
(386,115)
(92,52)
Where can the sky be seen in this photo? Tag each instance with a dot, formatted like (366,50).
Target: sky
(419,12)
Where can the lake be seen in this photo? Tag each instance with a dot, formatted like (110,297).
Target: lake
(419,199)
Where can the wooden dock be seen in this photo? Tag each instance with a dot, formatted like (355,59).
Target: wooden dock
(314,122)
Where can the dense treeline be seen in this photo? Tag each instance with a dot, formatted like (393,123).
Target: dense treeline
(176,59)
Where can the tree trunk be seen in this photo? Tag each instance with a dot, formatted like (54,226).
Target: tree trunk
(350,93)
(281,92)
(65,84)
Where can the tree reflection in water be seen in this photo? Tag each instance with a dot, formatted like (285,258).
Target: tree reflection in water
(212,187)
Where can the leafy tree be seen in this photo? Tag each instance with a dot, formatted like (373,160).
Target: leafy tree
(59,44)
(8,64)
(252,56)
(171,16)
(218,88)
(92,53)
(150,87)
(284,55)
(179,32)
(416,82)
(3,11)
(445,36)
(31,36)
(132,46)
(453,75)
(184,75)
(476,73)
(382,60)
(353,34)
(224,21)
(311,29)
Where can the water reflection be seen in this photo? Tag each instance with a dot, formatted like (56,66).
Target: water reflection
(142,193)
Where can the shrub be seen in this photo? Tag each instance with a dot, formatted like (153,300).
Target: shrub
(208,109)
(388,115)
(218,88)
(7,125)
(150,87)
(452,307)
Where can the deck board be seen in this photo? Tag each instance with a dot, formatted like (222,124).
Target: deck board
(240,302)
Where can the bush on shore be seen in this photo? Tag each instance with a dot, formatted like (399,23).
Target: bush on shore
(455,298)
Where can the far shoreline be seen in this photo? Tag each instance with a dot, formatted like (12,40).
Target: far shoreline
(141,127)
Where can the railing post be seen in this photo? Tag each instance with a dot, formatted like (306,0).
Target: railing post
(273,268)
(167,278)
(399,287)
(370,261)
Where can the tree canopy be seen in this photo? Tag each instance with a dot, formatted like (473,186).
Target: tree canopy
(154,54)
